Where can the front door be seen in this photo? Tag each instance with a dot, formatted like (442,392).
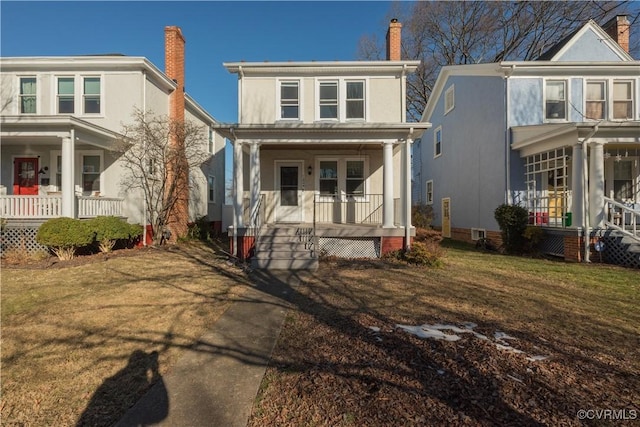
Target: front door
(446,217)
(25,176)
(289,192)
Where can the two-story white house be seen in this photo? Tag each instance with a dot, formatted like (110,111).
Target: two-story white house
(60,119)
(322,152)
(559,135)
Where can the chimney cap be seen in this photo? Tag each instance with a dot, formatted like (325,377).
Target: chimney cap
(394,20)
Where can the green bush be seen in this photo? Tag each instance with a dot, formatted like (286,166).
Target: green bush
(199,230)
(512,221)
(64,236)
(108,230)
(421,216)
(427,253)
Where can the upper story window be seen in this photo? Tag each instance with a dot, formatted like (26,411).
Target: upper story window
(596,100)
(355,100)
(437,142)
(91,95)
(556,99)
(622,99)
(290,100)
(329,100)
(449,99)
(211,189)
(27,95)
(66,95)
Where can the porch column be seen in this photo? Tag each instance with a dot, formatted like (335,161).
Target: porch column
(254,171)
(577,190)
(387,184)
(238,185)
(596,185)
(406,196)
(68,173)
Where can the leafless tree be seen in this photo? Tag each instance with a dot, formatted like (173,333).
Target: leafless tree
(467,32)
(157,155)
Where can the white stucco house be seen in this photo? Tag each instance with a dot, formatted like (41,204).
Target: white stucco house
(559,135)
(59,120)
(321,159)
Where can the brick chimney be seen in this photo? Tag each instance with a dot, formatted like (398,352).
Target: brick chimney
(618,28)
(394,41)
(177,171)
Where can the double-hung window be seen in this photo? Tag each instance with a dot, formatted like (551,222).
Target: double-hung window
(449,99)
(91,95)
(290,100)
(355,178)
(329,100)
(90,173)
(328,178)
(430,192)
(622,99)
(211,188)
(596,100)
(355,100)
(437,142)
(556,99)
(66,95)
(27,95)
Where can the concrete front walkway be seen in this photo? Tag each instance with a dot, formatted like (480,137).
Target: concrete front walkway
(216,382)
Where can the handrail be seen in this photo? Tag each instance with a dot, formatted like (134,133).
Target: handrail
(622,218)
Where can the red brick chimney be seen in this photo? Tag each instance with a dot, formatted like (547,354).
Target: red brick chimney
(618,28)
(394,41)
(177,171)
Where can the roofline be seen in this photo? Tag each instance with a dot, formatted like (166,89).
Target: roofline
(605,38)
(235,67)
(198,108)
(55,120)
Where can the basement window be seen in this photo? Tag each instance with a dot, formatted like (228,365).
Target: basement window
(478,233)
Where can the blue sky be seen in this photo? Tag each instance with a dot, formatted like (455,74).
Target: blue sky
(216,32)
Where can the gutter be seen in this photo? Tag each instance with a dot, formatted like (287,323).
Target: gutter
(507,136)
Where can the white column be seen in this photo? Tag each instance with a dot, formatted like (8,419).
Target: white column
(387,184)
(596,185)
(238,185)
(577,191)
(406,194)
(254,184)
(68,173)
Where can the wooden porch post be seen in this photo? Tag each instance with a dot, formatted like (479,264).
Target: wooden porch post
(238,185)
(577,190)
(406,194)
(254,183)
(387,184)
(68,173)
(596,185)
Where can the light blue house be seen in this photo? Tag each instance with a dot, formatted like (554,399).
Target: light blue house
(559,136)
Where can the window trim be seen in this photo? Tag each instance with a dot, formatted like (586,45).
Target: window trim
(320,82)
(342,99)
(632,99)
(56,98)
(565,82)
(437,153)
(78,160)
(450,90)
(364,100)
(211,189)
(84,95)
(78,94)
(429,201)
(341,163)
(605,101)
(35,95)
(279,99)
(478,233)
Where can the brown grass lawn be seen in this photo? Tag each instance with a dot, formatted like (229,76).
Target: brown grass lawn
(332,366)
(69,330)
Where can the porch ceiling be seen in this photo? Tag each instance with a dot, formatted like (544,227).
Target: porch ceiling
(322,133)
(42,130)
(534,139)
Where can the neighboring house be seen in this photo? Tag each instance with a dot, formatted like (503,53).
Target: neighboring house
(322,152)
(559,136)
(60,118)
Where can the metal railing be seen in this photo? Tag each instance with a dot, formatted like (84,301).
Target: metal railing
(623,217)
(365,209)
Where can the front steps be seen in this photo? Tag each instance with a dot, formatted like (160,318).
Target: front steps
(621,249)
(285,247)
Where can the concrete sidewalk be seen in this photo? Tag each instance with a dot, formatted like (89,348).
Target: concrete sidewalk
(216,382)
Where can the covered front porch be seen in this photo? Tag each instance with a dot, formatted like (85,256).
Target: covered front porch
(349,175)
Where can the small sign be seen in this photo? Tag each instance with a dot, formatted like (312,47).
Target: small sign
(599,246)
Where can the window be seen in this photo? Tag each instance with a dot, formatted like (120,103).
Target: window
(478,233)
(622,100)
(556,101)
(355,100)
(355,178)
(90,173)
(211,188)
(328,100)
(449,99)
(623,180)
(59,173)
(437,142)
(211,144)
(66,95)
(91,95)
(328,177)
(430,192)
(596,101)
(27,95)
(290,100)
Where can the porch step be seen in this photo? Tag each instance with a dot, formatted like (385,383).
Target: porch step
(621,249)
(284,248)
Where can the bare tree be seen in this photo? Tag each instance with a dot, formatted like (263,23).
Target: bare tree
(157,155)
(468,32)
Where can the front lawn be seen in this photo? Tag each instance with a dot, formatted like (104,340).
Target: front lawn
(525,342)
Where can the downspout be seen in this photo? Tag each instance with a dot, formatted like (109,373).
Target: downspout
(240,77)
(403,94)
(507,137)
(585,195)
(144,150)
(234,235)
(407,191)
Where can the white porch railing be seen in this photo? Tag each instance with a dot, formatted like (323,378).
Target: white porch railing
(622,217)
(42,207)
(550,211)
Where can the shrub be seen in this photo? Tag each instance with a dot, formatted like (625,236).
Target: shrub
(421,216)
(513,222)
(533,236)
(64,236)
(427,253)
(428,235)
(199,230)
(108,230)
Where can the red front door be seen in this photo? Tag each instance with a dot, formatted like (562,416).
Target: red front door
(25,176)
